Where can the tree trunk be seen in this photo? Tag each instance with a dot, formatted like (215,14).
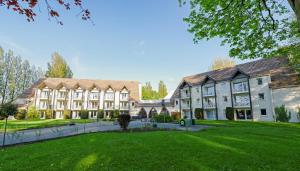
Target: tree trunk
(295,5)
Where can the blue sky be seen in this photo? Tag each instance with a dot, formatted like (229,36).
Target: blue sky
(144,40)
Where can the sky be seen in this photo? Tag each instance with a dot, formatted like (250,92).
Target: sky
(143,40)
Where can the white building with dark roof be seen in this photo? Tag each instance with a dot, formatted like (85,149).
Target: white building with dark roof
(251,89)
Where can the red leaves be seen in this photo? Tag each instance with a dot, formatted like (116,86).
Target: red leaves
(26,7)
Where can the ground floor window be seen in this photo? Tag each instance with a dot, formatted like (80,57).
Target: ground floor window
(126,112)
(211,114)
(93,114)
(243,114)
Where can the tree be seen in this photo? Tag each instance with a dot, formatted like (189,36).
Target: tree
(162,89)
(282,114)
(16,75)
(221,63)
(8,109)
(28,8)
(58,68)
(124,121)
(253,29)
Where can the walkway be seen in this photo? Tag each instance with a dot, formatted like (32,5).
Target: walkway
(32,135)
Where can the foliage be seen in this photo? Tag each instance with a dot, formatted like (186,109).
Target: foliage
(58,68)
(16,75)
(176,116)
(116,114)
(162,89)
(252,29)
(282,114)
(149,94)
(142,113)
(199,113)
(33,113)
(8,109)
(84,114)
(221,63)
(21,114)
(229,113)
(67,114)
(163,118)
(29,7)
(100,114)
(124,121)
(49,114)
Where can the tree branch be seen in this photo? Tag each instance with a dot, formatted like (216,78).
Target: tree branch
(269,12)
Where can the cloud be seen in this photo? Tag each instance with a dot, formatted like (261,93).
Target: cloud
(77,67)
(18,49)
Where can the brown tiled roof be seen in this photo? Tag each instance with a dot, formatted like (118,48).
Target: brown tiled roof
(273,66)
(70,83)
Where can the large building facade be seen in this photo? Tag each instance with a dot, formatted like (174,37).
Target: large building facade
(252,90)
(58,95)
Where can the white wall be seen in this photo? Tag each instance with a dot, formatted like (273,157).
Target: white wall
(223,89)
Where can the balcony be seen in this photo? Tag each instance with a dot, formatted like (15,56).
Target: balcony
(209,105)
(77,97)
(60,107)
(240,90)
(242,104)
(109,107)
(208,93)
(94,97)
(45,97)
(43,107)
(124,107)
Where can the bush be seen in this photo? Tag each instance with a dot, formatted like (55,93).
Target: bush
(67,114)
(199,114)
(124,121)
(116,114)
(21,114)
(100,114)
(33,113)
(49,114)
(176,116)
(8,109)
(230,113)
(163,118)
(142,114)
(84,114)
(281,114)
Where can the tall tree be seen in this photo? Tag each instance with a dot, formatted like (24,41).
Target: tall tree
(252,29)
(58,68)
(221,63)
(15,76)
(28,8)
(162,89)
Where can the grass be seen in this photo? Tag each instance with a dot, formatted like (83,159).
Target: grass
(14,125)
(226,146)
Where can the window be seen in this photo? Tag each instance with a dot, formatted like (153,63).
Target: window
(132,104)
(176,102)
(261,96)
(197,89)
(198,101)
(187,92)
(263,112)
(225,98)
(259,81)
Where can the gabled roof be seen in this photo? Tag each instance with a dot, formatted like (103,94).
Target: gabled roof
(267,66)
(70,83)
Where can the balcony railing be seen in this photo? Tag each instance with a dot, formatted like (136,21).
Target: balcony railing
(109,107)
(209,105)
(124,107)
(78,97)
(45,97)
(94,97)
(240,90)
(242,104)
(209,93)
(60,107)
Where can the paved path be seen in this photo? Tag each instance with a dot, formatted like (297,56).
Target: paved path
(69,130)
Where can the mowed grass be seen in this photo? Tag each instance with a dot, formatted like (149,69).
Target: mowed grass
(14,125)
(225,146)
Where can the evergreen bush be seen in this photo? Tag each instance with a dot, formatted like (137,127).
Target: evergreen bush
(199,113)
(229,113)
(282,114)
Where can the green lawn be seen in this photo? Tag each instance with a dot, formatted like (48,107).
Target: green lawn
(227,146)
(14,125)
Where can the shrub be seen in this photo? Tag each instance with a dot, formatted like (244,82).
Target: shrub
(230,113)
(199,114)
(8,109)
(49,114)
(142,114)
(124,121)
(67,114)
(176,115)
(33,113)
(116,114)
(100,114)
(163,118)
(21,114)
(281,114)
(84,114)
(298,113)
